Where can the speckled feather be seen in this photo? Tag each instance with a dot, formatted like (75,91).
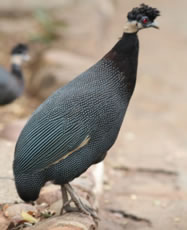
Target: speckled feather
(76,126)
(12,84)
(90,109)
(93,105)
(10,87)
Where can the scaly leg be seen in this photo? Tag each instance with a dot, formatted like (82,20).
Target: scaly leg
(66,202)
(67,188)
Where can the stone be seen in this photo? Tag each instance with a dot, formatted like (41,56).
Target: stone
(69,221)
(49,194)
(14,211)
(12,130)
(8,192)
(57,69)
(3,222)
(70,227)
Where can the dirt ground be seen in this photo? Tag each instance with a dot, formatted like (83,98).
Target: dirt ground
(146,170)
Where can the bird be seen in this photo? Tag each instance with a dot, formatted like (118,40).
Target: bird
(76,126)
(12,83)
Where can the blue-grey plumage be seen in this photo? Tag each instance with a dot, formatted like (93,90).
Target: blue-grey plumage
(8,91)
(76,126)
(80,120)
(12,84)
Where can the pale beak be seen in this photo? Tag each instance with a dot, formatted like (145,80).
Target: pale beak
(154,25)
(26,57)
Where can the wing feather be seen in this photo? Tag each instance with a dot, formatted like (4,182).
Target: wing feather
(42,143)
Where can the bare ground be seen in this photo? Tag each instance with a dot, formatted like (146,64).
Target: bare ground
(146,184)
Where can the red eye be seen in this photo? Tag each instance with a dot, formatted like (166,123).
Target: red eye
(145,20)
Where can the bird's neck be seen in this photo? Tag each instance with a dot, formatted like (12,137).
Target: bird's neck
(16,64)
(132,27)
(17,71)
(124,55)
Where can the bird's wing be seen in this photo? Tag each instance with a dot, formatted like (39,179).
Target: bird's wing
(9,87)
(43,143)
(4,77)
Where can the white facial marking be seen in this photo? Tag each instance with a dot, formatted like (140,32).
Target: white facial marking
(139,25)
(26,57)
(131,27)
(17,59)
(155,24)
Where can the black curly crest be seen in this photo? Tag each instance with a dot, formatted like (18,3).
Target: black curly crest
(19,49)
(144,10)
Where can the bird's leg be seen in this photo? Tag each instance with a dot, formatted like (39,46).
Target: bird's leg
(81,207)
(66,202)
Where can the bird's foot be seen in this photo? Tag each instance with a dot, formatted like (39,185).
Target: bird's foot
(80,206)
(66,207)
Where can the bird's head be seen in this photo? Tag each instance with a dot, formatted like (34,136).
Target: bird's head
(141,18)
(20,54)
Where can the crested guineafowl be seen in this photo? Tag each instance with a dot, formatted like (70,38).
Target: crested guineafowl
(12,84)
(76,126)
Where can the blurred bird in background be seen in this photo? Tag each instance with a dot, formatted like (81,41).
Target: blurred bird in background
(12,84)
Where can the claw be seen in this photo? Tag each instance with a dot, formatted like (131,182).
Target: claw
(80,206)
